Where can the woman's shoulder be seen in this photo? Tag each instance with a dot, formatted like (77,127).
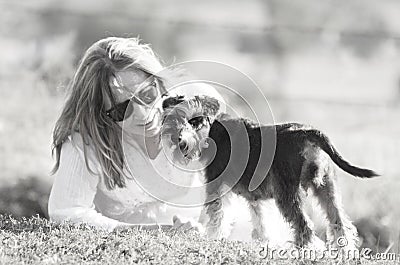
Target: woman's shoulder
(76,144)
(77,141)
(76,154)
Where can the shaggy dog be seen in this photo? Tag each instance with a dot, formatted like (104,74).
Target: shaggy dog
(302,162)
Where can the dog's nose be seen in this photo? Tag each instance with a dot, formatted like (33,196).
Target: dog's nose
(183,146)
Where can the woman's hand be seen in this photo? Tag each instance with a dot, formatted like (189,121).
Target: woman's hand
(148,227)
(186,225)
(179,224)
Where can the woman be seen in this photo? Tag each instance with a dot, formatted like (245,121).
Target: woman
(117,88)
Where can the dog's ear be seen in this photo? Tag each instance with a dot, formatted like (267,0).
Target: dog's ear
(172,101)
(210,105)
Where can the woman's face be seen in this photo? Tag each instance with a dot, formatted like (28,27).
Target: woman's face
(145,117)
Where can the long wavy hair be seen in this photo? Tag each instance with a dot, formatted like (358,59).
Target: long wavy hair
(84,110)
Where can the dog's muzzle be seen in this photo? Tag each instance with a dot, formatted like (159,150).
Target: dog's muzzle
(184,147)
(187,142)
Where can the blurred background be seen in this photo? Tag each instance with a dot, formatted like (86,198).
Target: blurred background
(332,64)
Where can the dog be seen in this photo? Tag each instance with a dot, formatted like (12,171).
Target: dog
(302,162)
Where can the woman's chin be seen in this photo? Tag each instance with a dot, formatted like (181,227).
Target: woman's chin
(152,131)
(152,128)
(149,130)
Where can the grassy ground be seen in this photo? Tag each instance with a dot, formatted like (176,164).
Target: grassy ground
(38,241)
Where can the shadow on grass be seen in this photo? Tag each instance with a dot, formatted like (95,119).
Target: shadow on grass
(27,197)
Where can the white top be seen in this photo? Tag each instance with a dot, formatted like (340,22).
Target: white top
(80,196)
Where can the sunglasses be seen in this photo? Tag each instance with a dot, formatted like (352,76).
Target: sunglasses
(144,97)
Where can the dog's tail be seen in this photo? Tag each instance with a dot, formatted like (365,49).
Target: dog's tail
(325,144)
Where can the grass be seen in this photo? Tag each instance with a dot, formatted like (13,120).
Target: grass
(40,241)
(36,240)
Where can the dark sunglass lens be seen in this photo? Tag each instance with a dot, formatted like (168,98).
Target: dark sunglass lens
(129,110)
(118,112)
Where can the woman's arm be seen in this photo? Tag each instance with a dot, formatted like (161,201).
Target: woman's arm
(73,191)
(74,188)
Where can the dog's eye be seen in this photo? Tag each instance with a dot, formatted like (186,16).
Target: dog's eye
(197,122)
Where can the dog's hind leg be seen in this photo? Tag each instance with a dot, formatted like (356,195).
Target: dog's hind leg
(291,209)
(339,223)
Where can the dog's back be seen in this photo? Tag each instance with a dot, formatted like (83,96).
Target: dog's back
(293,140)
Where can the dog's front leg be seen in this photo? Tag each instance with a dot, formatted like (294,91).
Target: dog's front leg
(258,220)
(217,218)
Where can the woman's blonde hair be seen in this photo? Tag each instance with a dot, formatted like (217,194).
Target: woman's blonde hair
(84,110)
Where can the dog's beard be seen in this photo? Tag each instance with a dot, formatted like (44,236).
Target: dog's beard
(192,154)
(175,154)
(189,145)
(191,158)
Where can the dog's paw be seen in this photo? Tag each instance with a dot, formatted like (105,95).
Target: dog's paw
(317,244)
(257,235)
